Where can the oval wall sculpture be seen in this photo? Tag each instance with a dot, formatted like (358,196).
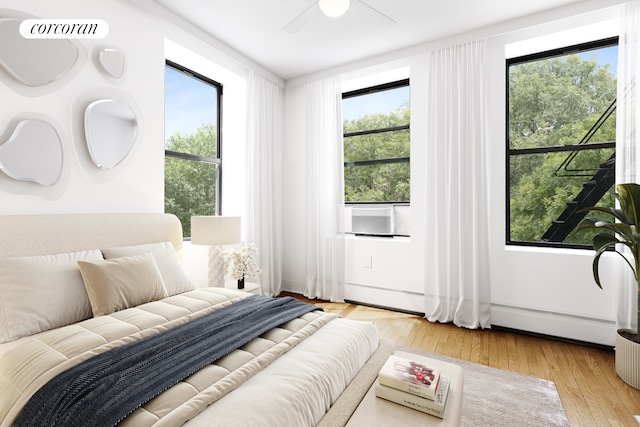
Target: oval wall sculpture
(112,61)
(34,62)
(111,128)
(33,153)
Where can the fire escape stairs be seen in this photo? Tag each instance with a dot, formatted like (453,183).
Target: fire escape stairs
(591,193)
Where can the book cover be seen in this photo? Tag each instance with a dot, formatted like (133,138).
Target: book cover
(410,375)
(433,407)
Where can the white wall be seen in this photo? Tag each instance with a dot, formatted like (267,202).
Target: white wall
(544,291)
(147,35)
(136,184)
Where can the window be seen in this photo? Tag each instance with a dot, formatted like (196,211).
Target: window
(192,168)
(560,141)
(376,159)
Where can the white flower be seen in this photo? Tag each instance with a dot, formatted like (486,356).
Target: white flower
(241,263)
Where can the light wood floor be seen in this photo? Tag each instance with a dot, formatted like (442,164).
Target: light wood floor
(590,390)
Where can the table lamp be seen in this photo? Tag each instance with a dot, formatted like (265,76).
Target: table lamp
(215,231)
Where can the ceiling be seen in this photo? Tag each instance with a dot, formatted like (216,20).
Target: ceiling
(254,27)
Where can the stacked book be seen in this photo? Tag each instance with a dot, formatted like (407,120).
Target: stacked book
(412,381)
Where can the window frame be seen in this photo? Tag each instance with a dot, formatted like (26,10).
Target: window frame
(367,91)
(574,148)
(218,119)
(407,159)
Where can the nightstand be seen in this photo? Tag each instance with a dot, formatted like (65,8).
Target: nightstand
(249,287)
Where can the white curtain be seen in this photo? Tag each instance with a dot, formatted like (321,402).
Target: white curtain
(264,162)
(627,126)
(325,191)
(457,287)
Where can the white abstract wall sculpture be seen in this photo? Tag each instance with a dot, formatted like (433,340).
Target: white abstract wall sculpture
(33,153)
(34,62)
(111,129)
(112,61)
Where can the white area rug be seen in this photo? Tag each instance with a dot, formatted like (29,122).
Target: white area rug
(492,397)
(496,398)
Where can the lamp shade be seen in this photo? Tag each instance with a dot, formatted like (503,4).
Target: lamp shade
(215,230)
(334,8)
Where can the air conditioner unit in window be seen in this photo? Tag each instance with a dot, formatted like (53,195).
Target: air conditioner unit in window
(372,221)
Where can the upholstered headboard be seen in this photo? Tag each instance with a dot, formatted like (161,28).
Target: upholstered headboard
(25,235)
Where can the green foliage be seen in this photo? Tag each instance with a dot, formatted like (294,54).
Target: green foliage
(201,143)
(377,183)
(555,102)
(189,185)
(381,182)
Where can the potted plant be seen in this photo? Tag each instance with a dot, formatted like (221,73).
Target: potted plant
(622,229)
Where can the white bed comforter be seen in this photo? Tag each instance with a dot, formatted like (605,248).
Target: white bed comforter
(288,377)
(297,389)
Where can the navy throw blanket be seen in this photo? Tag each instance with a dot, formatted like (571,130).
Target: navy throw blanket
(106,388)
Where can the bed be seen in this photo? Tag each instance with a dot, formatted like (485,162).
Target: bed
(106,290)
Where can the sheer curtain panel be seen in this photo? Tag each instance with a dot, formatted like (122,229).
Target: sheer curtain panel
(627,162)
(325,192)
(457,287)
(264,162)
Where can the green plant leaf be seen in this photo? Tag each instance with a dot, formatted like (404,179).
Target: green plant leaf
(596,274)
(623,230)
(629,196)
(604,239)
(618,213)
(587,224)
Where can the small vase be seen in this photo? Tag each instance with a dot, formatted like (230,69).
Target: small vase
(241,283)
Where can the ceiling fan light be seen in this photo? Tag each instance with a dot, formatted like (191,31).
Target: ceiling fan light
(334,8)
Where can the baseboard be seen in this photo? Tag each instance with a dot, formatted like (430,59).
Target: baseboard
(552,338)
(408,302)
(390,299)
(579,329)
(384,307)
(565,326)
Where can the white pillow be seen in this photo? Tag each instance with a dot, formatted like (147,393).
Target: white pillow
(173,273)
(39,293)
(119,283)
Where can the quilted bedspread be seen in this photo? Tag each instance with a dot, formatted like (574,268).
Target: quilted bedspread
(33,361)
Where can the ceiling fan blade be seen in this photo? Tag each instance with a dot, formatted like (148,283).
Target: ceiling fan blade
(380,14)
(300,20)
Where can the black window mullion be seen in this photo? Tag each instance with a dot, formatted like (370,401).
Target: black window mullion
(375,131)
(562,51)
(374,89)
(561,148)
(194,157)
(378,161)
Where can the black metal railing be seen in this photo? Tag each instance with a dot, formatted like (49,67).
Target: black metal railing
(593,190)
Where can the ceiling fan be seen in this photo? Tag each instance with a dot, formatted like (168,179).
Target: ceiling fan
(333,9)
